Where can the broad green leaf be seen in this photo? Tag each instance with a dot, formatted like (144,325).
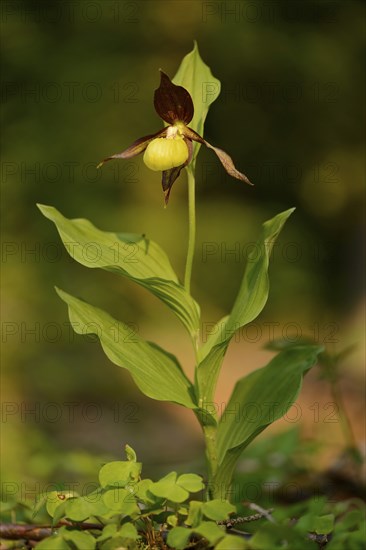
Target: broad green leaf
(55,543)
(156,372)
(210,531)
(82,508)
(77,509)
(258,400)
(108,531)
(191,482)
(323,525)
(121,501)
(195,513)
(54,499)
(126,531)
(172,520)
(129,531)
(253,293)
(196,77)
(177,489)
(117,543)
(174,494)
(119,473)
(59,513)
(232,542)
(142,489)
(250,301)
(168,488)
(178,537)
(131,255)
(218,509)
(81,540)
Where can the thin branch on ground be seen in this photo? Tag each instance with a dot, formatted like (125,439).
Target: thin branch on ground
(12,531)
(229,523)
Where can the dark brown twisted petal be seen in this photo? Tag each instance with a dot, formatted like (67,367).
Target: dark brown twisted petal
(224,158)
(169,176)
(191,134)
(228,164)
(136,148)
(173,103)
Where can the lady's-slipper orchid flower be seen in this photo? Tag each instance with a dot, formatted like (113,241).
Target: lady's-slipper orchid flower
(171,149)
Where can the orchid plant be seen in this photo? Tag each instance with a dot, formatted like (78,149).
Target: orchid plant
(157,372)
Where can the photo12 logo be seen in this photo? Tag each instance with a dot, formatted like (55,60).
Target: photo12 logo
(273,11)
(69,11)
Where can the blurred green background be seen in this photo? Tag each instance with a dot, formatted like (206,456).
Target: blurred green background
(78,82)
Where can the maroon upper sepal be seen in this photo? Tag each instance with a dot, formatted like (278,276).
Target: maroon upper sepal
(173,103)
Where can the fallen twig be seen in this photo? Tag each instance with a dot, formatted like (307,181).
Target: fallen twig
(12,531)
(229,523)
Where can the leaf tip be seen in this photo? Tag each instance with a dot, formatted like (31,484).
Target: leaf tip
(61,293)
(287,213)
(46,210)
(41,207)
(130,453)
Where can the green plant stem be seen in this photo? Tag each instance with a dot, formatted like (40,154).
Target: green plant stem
(191,229)
(210,433)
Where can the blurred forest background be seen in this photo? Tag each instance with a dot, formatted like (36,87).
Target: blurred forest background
(78,83)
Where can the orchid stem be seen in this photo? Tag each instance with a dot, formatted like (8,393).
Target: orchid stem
(210,433)
(191,229)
